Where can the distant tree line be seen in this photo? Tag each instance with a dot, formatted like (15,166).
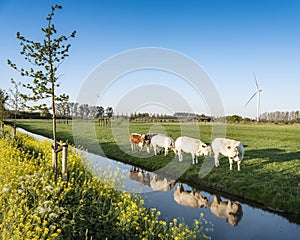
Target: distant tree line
(272,117)
(281,116)
(70,110)
(84,111)
(233,119)
(64,109)
(182,116)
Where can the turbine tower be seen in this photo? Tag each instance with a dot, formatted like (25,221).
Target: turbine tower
(258,91)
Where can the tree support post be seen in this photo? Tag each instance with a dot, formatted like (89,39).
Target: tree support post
(2,129)
(64,150)
(54,161)
(65,161)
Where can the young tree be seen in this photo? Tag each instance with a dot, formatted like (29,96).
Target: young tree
(46,57)
(15,102)
(3,99)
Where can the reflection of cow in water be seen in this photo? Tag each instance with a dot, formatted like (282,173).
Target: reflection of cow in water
(156,182)
(139,175)
(190,198)
(231,211)
(159,183)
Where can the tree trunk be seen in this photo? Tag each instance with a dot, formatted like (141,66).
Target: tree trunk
(55,145)
(15,126)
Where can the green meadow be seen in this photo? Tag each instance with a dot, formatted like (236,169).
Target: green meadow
(270,171)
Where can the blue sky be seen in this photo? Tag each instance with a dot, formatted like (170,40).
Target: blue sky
(229,39)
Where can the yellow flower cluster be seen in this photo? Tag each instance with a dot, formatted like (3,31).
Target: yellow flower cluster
(33,206)
(25,190)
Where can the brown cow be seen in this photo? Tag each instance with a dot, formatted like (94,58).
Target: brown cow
(190,198)
(231,211)
(137,140)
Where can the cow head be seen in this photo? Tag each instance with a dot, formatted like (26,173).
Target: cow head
(204,200)
(142,142)
(203,150)
(233,152)
(235,212)
(147,139)
(172,145)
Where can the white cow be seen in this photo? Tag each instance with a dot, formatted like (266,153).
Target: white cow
(162,141)
(193,146)
(232,149)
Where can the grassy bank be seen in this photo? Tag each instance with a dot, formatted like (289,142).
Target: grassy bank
(270,171)
(33,206)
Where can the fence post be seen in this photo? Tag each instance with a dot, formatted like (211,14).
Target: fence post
(65,161)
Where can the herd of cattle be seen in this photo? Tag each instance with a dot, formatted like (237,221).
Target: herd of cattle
(231,211)
(232,149)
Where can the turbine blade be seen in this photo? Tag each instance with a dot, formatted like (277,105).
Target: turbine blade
(251,98)
(256,84)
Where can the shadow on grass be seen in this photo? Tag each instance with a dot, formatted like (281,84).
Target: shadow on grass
(272,155)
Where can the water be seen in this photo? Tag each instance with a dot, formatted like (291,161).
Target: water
(254,223)
(246,223)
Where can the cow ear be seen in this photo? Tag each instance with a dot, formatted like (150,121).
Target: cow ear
(228,147)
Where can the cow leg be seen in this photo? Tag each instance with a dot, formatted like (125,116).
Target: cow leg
(217,156)
(132,146)
(193,158)
(148,149)
(166,151)
(239,167)
(178,152)
(181,156)
(154,148)
(230,163)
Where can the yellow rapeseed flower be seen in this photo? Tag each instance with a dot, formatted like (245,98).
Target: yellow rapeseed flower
(46,231)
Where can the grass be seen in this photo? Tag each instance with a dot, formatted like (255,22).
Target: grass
(270,170)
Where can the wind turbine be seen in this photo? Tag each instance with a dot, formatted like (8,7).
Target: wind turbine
(258,91)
